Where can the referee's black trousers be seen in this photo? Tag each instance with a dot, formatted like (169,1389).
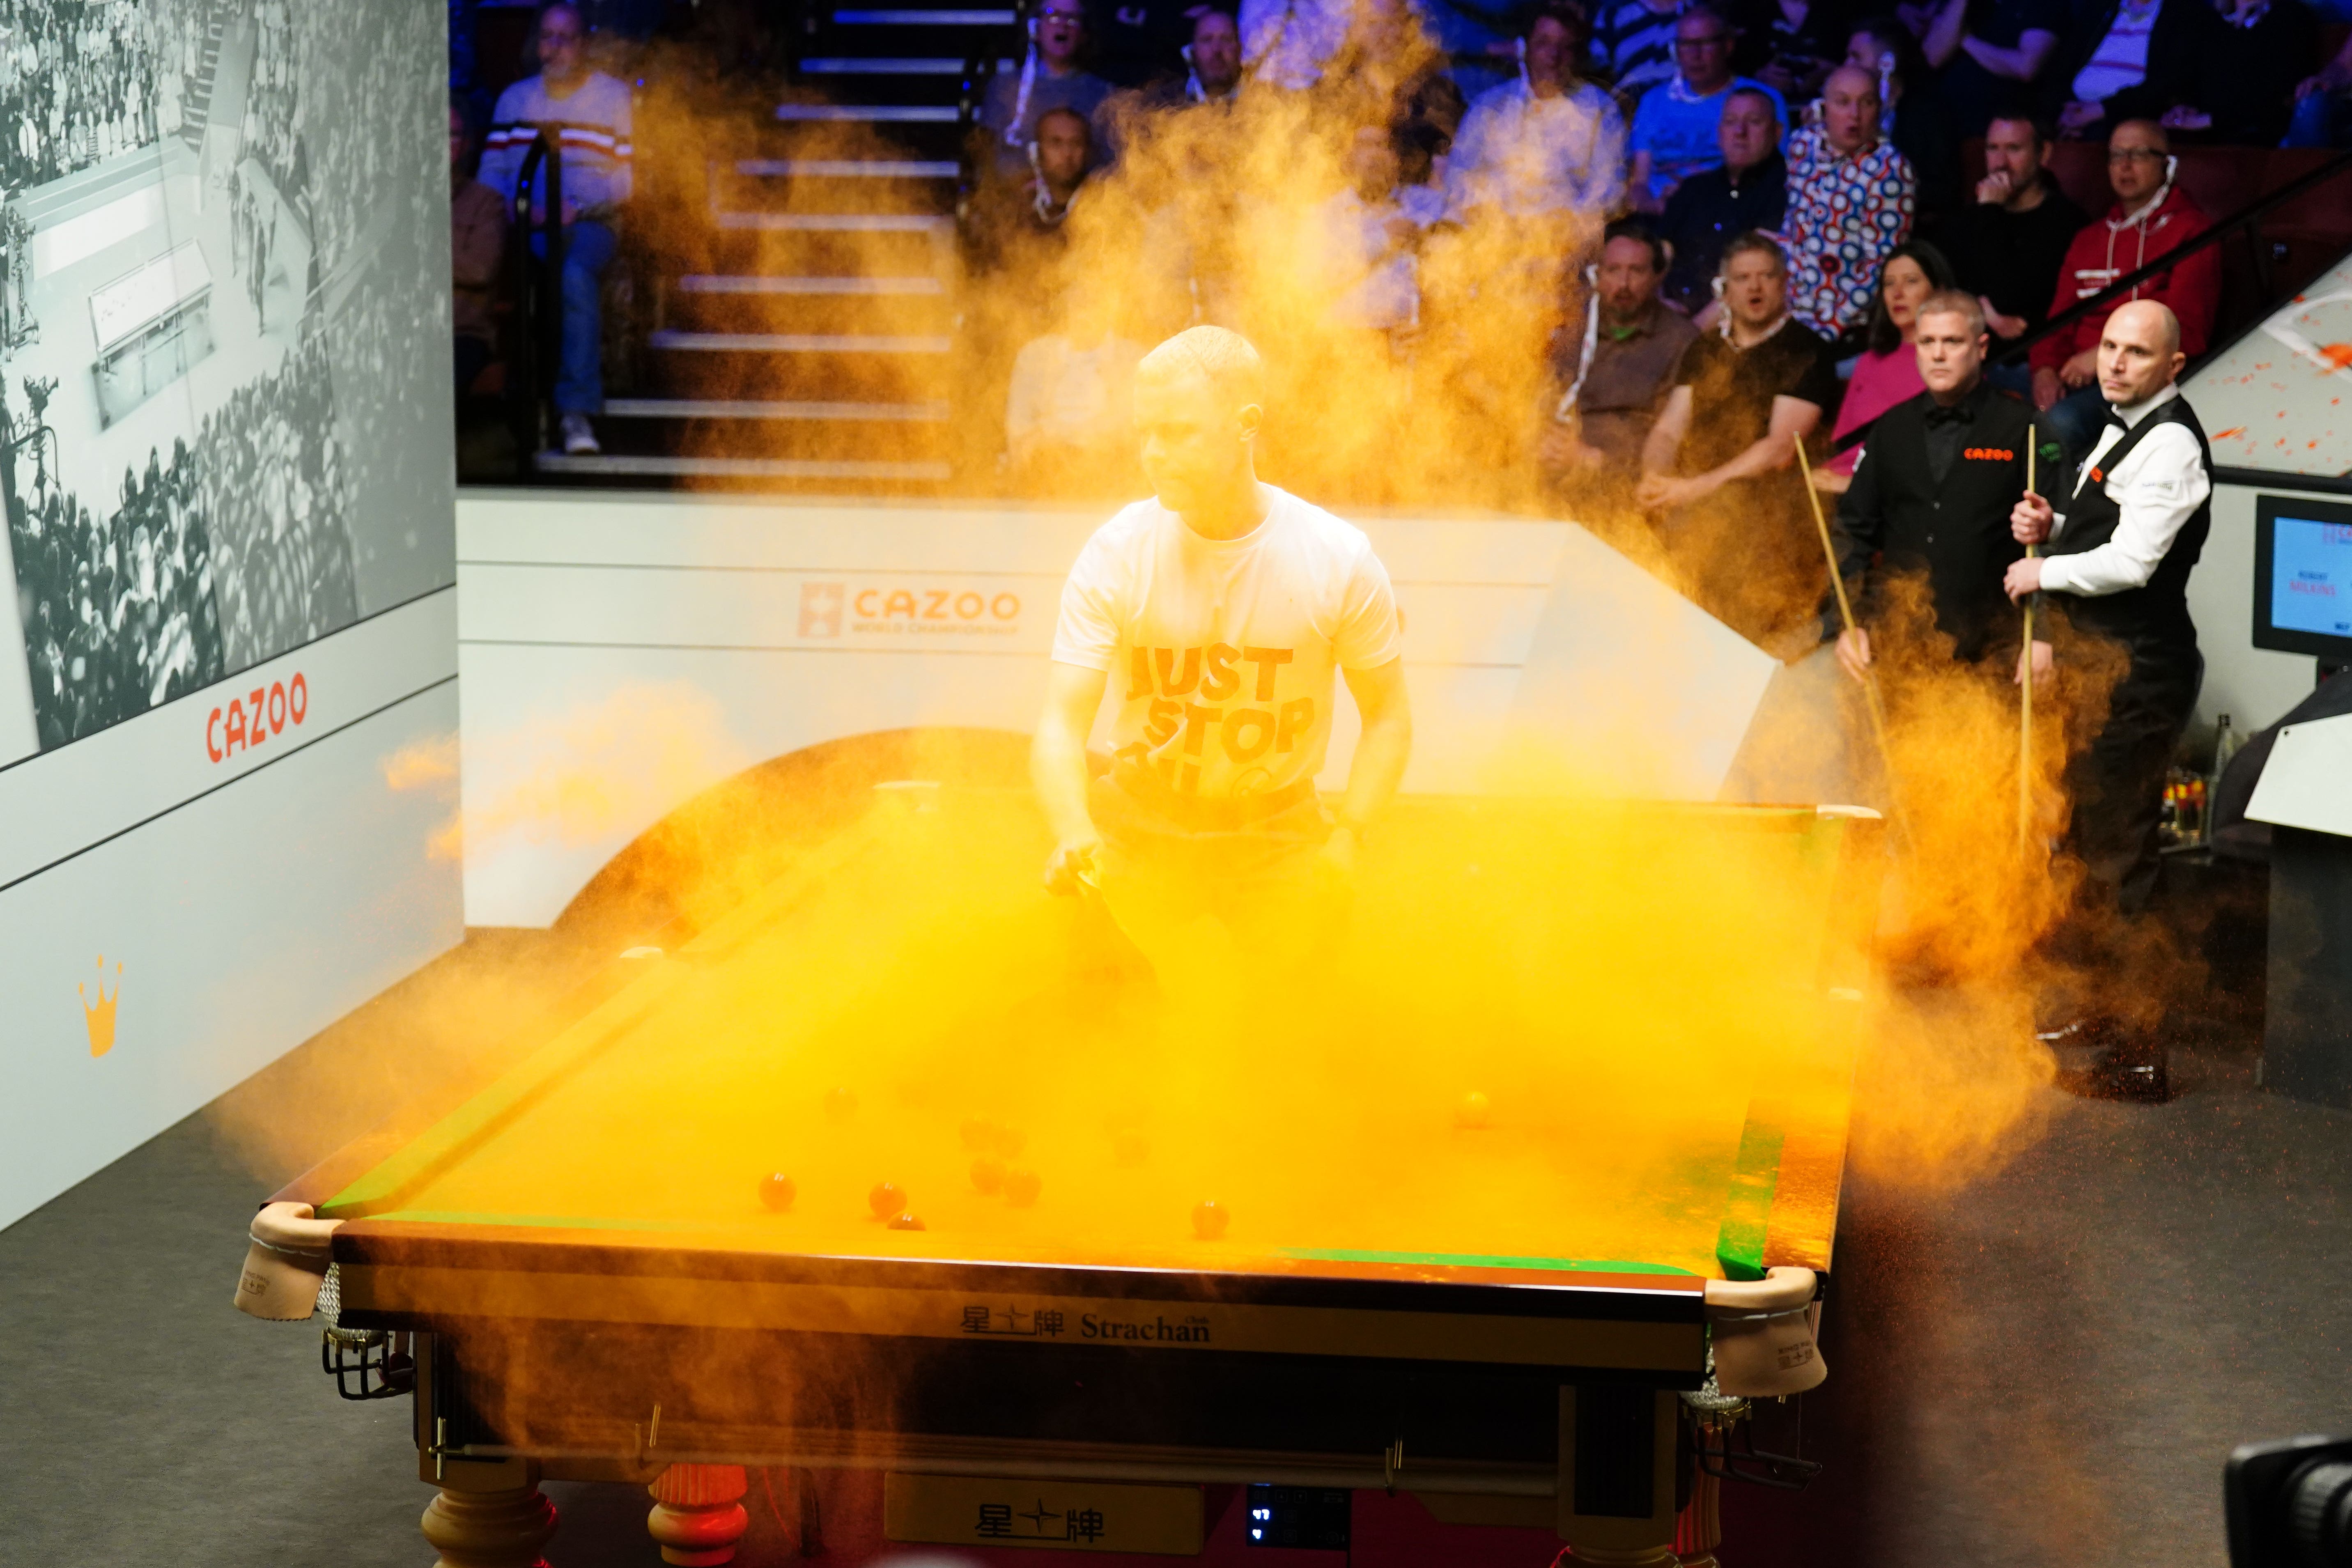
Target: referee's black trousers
(2118,785)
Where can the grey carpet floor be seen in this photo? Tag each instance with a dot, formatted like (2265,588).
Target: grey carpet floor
(2047,1367)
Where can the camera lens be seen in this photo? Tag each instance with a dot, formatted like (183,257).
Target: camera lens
(2319,1514)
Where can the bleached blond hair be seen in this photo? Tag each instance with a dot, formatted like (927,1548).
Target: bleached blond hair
(1224,358)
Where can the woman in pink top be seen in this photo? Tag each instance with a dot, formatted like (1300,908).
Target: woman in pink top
(1888,371)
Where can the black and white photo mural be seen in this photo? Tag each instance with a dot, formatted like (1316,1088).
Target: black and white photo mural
(224,341)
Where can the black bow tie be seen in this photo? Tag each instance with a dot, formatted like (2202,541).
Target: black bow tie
(1957,414)
(2116,419)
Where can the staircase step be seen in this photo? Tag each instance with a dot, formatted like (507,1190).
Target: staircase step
(755,408)
(799,343)
(872,113)
(709,283)
(923,18)
(619,464)
(839,223)
(848,168)
(860,66)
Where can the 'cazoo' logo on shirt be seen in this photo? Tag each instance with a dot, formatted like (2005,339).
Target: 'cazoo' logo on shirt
(906,609)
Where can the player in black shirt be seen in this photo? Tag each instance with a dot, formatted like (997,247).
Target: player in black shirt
(1933,494)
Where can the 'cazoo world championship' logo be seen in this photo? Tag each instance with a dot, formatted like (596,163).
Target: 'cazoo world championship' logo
(901,608)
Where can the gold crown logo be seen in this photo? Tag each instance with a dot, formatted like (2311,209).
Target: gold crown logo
(98,1016)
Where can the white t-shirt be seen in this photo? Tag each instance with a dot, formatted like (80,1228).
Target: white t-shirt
(1221,651)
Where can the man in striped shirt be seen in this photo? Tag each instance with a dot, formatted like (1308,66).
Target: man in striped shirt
(588,113)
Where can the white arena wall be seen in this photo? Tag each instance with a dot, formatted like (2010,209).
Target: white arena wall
(802,622)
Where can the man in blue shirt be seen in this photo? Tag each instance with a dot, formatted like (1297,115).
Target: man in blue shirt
(1674,125)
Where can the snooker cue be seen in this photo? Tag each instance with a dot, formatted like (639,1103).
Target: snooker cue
(1869,676)
(2025,703)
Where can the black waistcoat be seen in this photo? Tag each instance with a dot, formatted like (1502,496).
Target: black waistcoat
(1957,531)
(2152,620)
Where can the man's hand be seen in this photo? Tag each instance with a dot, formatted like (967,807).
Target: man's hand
(2186,117)
(2047,388)
(2002,326)
(1830,483)
(1853,653)
(1663,492)
(2043,664)
(1559,452)
(1994,189)
(1338,859)
(2078,116)
(2024,577)
(2030,520)
(2081,370)
(1071,866)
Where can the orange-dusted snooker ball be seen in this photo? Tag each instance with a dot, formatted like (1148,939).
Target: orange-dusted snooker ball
(840,1105)
(905,1221)
(1210,1218)
(777,1192)
(1022,1187)
(1475,1112)
(988,1174)
(887,1199)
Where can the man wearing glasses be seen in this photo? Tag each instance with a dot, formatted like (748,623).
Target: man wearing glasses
(1675,124)
(2149,218)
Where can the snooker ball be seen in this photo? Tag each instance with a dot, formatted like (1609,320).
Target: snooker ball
(1131,1148)
(1210,1218)
(1474,1112)
(1022,1187)
(988,1174)
(905,1221)
(887,1199)
(777,1192)
(840,1105)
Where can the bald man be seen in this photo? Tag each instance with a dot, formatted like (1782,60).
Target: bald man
(2118,564)
(1851,200)
(1221,607)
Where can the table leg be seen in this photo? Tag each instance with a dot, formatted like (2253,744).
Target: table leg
(698,1514)
(1699,1531)
(499,1529)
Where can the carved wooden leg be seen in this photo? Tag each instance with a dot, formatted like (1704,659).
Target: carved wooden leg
(698,1514)
(1627,1557)
(1699,1531)
(490,1530)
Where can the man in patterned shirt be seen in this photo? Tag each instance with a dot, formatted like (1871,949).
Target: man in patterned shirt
(1851,198)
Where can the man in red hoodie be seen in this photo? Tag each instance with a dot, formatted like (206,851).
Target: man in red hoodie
(2149,218)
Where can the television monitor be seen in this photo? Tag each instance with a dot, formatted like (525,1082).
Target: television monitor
(2302,577)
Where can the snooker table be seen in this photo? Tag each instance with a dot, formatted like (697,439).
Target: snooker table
(1564,1104)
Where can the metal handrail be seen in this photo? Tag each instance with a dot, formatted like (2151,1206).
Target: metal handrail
(538,294)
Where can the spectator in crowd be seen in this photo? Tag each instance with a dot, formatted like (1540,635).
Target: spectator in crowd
(2111,57)
(1674,126)
(1717,470)
(2150,218)
(1017,226)
(1067,419)
(1887,372)
(1545,142)
(1850,199)
(477,244)
(1286,42)
(2222,70)
(1050,78)
(1371,233)
(1792,46)
(1212,63)
(1914,119)
(1992,54)
(1749,189)
(588,114)
(2008,245)
(2320,117)
(1636,41)
(1610,381)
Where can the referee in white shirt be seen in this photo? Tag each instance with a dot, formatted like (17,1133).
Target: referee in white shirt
(2118,566)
